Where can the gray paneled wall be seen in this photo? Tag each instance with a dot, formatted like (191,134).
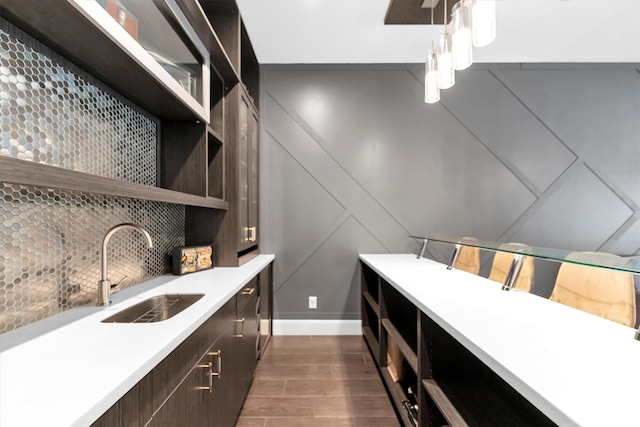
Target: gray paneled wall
(353,161)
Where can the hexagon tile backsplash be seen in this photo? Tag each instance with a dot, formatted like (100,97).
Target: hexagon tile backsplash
(50,239)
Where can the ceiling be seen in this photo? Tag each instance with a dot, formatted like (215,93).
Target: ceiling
(529,31)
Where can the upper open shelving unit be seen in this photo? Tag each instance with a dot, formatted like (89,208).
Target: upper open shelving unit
(100,54)
(180,78)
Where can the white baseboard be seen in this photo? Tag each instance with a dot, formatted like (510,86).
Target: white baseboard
(316,327)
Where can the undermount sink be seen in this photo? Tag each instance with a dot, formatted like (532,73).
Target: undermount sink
(154,309)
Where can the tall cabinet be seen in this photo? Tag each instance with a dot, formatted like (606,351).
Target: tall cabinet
(237,232)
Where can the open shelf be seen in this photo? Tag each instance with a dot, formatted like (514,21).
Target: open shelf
(215,167)
(446,408)
(212,39)
(224,17)
(370,282)
(475,392)
(397,395)
(372,303)
(39,175)
(402,317)
(216,102)
(405,348)
(249,68)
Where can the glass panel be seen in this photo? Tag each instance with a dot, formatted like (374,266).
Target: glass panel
(156,29)
(243,172)
(592,259)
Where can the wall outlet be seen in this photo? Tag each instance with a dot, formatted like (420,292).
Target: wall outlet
(313,303)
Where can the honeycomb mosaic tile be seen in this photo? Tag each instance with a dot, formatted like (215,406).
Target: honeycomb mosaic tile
(51,115)
(50,240)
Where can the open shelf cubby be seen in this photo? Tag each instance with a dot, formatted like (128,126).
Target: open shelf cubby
(215,167)
(401,317)
(464,388)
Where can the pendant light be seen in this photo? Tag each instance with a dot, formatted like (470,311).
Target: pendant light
(462,37)
(431,89)
(483,16)
(446,72)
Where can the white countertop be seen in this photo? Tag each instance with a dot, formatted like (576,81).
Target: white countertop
(578,369)
(72,375)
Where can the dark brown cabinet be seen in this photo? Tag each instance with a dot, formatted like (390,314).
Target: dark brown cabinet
(204,381)
(421,364)
(247,176)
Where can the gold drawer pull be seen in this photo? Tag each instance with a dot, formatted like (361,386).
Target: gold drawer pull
(209,375)
(248,291)
(217,354)
(241,321)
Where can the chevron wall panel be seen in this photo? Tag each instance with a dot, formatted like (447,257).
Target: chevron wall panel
(353,161)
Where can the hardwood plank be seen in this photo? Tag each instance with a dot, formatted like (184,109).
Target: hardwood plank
(251,422)
(310,422)
(313,359)
(267,387)
(278,407)
(443,403)
(353,406)
(24,172)
(353,372)
(343,387)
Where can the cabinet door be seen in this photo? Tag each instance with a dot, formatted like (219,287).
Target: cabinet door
(243,174)
(190,403)
(252,216)
(265,303)
(247,176)
(247,340)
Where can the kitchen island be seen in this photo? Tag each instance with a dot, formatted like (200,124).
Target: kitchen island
(528,360)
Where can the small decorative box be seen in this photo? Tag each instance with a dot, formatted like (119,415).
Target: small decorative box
(190,259)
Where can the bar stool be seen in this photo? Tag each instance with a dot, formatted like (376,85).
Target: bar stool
(606,293)
(468,257)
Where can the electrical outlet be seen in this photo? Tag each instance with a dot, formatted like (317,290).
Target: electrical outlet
(313,303)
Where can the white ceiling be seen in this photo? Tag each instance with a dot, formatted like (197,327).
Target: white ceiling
(529,31)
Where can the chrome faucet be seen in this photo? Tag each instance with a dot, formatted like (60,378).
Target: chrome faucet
(104,285)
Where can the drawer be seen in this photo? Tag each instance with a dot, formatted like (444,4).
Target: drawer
(248,294)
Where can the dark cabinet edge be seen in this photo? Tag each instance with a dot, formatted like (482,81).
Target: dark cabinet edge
(219,57)
(24,172)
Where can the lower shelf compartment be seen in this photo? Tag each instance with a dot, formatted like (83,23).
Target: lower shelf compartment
(446,408)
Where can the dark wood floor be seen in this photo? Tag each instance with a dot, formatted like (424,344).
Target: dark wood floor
(317,381)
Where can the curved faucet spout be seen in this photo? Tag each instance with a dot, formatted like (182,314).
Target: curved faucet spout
(104,285)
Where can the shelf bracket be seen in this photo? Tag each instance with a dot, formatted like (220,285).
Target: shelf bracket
(454,257)
(514,272)
(423,248)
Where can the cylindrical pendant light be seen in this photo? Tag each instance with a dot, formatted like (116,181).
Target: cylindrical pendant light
(431,89)
(446,72)
(462,37)
(483,18)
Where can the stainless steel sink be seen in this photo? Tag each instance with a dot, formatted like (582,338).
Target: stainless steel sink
(154,309)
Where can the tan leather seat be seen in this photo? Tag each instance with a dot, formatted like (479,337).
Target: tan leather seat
(501,265)
(603,292)
(468,258)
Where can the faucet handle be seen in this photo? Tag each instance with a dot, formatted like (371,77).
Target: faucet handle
(113,286)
